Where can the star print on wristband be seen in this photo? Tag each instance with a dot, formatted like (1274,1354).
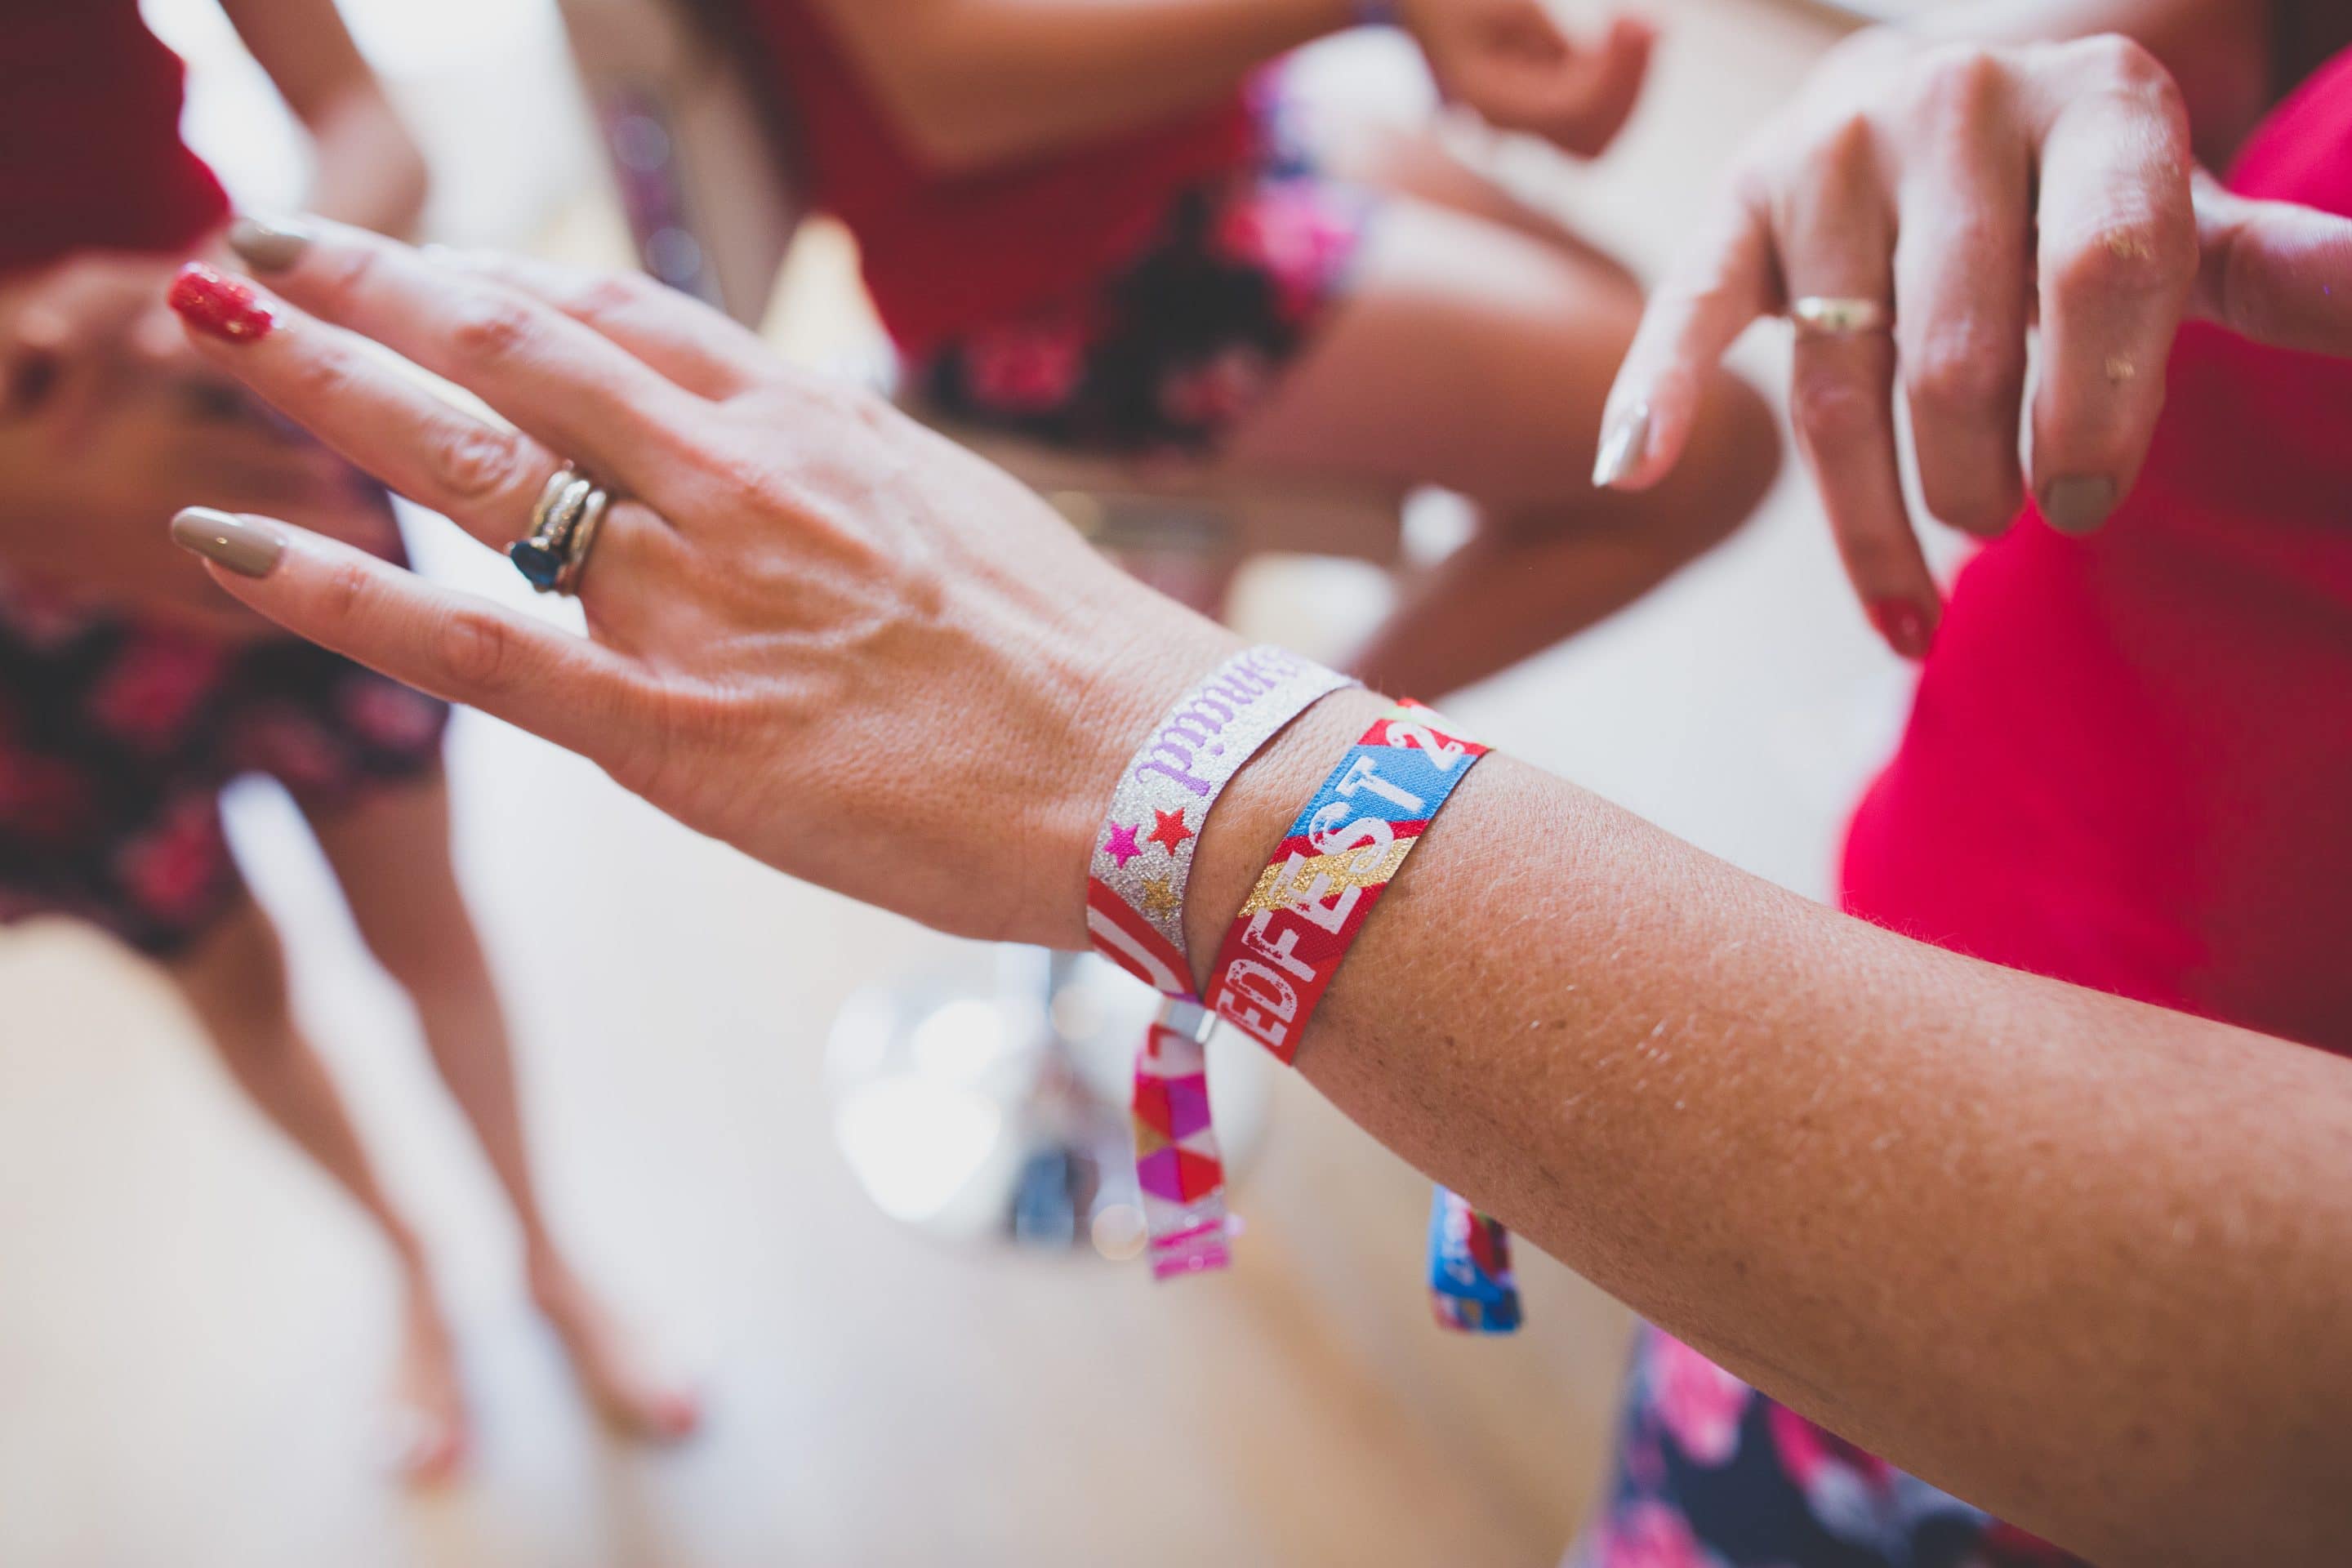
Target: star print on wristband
(1135,916)
(1163,799)
(1120,845)
(1160,896)
(1170,833)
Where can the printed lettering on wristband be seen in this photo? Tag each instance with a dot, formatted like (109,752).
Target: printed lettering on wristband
(1143,853)
(1294,929)
(1141,872)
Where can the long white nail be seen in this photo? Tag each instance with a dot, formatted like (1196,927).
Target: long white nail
(1625,442)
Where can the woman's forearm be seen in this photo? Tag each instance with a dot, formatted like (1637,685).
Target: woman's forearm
(368,170)
(367,167)
(2085,1263)
(973,82)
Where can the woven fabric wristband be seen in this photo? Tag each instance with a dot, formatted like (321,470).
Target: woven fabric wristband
(1136,885)
(1294,930)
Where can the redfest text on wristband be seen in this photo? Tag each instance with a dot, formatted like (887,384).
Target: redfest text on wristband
(1296,928)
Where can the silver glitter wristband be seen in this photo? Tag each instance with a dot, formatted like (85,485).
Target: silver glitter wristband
(1143,854)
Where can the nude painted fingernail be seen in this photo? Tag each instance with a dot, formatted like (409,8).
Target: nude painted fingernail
(218,304)
(1904,627)
(245,545)
(1625,442)
(268,244)
(2078,504)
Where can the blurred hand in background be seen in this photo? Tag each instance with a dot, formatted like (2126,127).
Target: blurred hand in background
(1513,62)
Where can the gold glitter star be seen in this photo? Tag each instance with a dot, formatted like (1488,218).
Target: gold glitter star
(1159,896)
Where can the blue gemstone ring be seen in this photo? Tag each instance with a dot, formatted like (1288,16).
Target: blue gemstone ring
(563,527)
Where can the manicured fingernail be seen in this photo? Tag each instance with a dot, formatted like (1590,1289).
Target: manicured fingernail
(1625,442)
(2078,504)
(1900,621)
(270,244)
(245,545)
(216,304)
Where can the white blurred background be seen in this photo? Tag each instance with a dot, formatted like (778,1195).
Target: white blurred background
(194,1331)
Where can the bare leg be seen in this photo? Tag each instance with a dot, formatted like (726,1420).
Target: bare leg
(391,853)
(235,981)
(1473,355)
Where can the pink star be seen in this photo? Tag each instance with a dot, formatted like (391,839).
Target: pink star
(1122,846)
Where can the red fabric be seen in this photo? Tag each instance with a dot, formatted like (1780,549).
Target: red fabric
(90,155)
(2130,760)
(947,253)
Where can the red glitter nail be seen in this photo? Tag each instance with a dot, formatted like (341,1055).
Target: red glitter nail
(1904,627)
(219,304)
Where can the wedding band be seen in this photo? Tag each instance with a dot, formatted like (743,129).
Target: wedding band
(1837,315)
(583,538)
(564,525)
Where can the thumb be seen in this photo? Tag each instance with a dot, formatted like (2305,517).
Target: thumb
(2274,271)
(1609,85)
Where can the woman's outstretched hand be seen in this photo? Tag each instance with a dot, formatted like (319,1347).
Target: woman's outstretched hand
(1972,191)
(817,631)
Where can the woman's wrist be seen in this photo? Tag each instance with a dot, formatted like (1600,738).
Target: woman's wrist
(1163,652)
(1256,808)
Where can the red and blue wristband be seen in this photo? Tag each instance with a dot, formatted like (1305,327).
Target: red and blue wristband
(1310,903)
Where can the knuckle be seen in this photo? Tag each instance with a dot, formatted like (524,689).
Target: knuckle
(344,591)
(1844,144)
(1961,80)
(478,648)
(490,326)
(1832,407)
(740,483)
(2119,62)
(602,295)
(2133,254)
(1961,374)
(475,462)
(323,380)
(870,411)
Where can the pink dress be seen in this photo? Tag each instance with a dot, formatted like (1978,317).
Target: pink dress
(2130,767)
